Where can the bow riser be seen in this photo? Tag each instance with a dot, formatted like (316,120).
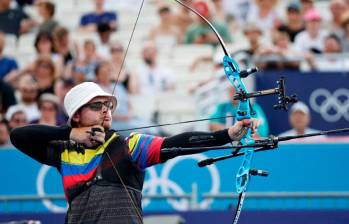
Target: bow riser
(243,175)
(232,71)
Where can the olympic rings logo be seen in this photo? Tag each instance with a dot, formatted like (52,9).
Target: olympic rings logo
(151,185)
(40,183)
(331,107)
(168,186)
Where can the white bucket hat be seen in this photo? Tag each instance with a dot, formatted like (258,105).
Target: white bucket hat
(14,109)
(81,94)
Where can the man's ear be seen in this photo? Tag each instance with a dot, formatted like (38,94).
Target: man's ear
(76,117)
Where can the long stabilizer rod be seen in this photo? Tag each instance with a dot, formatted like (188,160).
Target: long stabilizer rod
(336,131)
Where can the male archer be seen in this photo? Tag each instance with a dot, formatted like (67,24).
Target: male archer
(102,171)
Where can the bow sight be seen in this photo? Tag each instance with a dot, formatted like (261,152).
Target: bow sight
(280,90)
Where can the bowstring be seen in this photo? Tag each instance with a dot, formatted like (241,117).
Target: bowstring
(175,123)
(139,215)
(127,48)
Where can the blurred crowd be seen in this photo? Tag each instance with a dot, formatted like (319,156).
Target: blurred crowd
(279,35)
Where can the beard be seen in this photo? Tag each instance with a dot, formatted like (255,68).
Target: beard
(105,123)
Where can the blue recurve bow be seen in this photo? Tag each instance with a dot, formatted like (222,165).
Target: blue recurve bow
(245,111)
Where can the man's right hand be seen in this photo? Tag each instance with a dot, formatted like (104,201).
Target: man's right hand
(87,136)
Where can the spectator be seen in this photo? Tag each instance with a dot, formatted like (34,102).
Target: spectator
(83,68)
(44,47)
(62,44)
(229,108)
(104,32)
(49,107)
(78,72)
(4,135)
(307,5)
(253,35)
(46,10)
(7,96)
(332,44)
(8,65)
(16,117)
(62,86)
(91,58)
(152,77)
(299,120)
(200,32)
(312,38)
(14,21)
(90,21)
(233,24)
(28,93)
(219,11)
(338,9)
(294,23)
(104,76)
(44,74)
(43,44)
(345,36)
(183,18)
(126,78)
(330,60)
(238,9)
(281,55)
(264,15)
(166,34)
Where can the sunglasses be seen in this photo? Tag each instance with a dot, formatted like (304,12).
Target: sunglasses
(19,120)
(48,108)
(97,106)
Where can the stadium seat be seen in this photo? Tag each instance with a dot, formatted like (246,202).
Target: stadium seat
(11,45)
(26,44)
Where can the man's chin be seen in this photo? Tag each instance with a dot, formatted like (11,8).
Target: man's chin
(107,125)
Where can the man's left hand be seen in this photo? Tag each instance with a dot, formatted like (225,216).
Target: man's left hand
(237,130)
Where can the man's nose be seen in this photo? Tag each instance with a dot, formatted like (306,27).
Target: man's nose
(104,109)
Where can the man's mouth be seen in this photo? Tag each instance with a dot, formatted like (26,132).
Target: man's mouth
(106,119)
